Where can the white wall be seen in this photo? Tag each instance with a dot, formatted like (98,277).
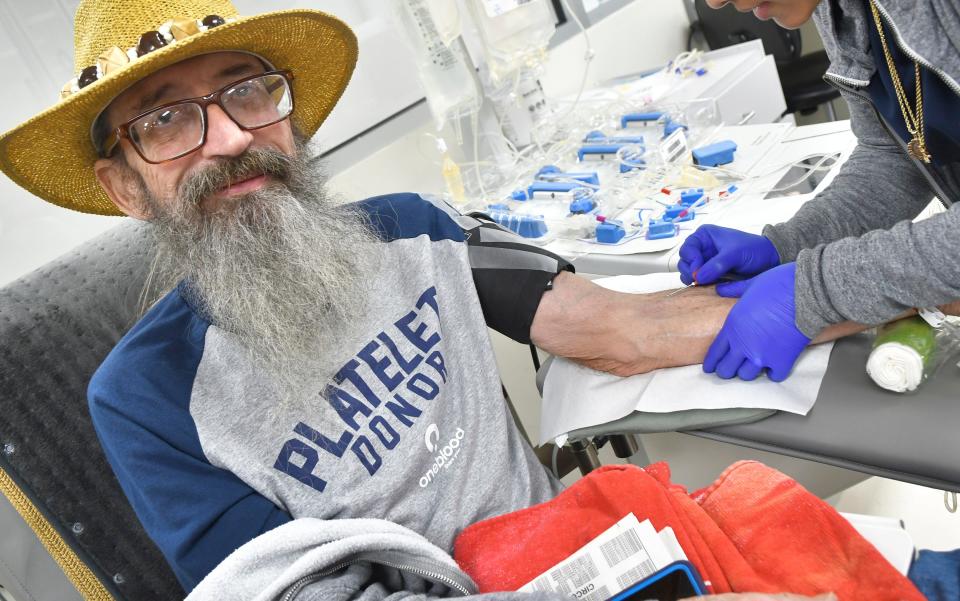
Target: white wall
(37,56)
(643,35)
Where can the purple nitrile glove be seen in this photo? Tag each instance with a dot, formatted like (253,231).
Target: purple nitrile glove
(760,332)
(712,252)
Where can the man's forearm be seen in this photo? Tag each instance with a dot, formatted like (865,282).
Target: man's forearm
(627,334)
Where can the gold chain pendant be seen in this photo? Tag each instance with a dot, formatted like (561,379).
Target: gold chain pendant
(918,150)
(916,147)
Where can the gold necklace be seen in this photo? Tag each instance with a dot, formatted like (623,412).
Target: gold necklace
(917,147)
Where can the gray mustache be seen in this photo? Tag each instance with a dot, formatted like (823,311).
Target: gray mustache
(253,162)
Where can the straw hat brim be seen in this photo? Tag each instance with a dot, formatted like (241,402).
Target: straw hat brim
(52,155)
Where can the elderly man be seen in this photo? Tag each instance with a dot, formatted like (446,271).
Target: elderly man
(313,360)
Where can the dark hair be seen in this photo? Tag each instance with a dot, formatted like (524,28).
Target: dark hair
(99,132)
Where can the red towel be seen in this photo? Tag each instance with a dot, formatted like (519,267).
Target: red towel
(753,530)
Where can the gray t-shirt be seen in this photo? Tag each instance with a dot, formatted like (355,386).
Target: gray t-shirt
(412,429)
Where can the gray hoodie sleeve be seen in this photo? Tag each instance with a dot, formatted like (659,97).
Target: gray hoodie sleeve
(877,187)
(873,278)
(363,559)
(362,583)
(858,255)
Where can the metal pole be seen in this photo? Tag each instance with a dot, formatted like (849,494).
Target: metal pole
(586,454)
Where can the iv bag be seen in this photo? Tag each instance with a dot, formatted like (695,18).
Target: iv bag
(446,18)
(447,75)
(514,33)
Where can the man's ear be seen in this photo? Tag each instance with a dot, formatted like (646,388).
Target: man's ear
(119,182)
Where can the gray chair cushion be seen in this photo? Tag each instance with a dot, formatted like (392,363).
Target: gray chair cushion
(56,326)
(858,426)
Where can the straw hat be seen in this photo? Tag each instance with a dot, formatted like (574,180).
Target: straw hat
(119,42)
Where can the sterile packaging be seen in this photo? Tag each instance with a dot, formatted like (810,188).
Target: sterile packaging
(908,352)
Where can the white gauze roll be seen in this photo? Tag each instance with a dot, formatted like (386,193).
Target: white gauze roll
(894,366)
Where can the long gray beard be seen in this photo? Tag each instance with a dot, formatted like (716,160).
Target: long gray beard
(285,269)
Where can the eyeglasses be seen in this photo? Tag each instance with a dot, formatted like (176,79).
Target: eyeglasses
(176,129)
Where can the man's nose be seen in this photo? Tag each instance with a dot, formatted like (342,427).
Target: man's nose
(224,137)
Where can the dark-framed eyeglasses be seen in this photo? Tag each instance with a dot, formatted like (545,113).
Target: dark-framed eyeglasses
(176,129)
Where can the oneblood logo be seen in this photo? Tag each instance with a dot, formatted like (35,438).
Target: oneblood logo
(431,437)
(445,455)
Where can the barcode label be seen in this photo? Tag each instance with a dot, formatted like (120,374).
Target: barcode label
(623,554)
(601,593)
(438,52)
(636,574)
(575,574)
(621,547)
(542,584)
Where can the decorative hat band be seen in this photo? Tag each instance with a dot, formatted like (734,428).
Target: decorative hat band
(114,58)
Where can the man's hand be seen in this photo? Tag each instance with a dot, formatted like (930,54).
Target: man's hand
(713,252)
(760,332)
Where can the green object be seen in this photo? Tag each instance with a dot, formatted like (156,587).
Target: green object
(912,332)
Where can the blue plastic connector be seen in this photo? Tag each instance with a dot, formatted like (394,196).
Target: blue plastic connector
(527,226)
(712,155)
(673,214)
(532,227)
(551,186)
(582,204)
(598,137)
(610,232)
(658,229)
(551,190)
(598,152)
(690,196)
(640,118)
(701,71)
(519,195)
(671,126)
(635,161)
(551,172)
(548,169)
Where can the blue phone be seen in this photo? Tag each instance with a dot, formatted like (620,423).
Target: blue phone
(678,580)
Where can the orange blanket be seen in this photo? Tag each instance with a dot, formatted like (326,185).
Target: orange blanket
(753,530)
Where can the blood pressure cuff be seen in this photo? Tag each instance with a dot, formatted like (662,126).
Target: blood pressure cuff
(510,274)
(753,530)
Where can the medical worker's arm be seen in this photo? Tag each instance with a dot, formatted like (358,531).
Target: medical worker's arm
(876,188)
(874,277)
